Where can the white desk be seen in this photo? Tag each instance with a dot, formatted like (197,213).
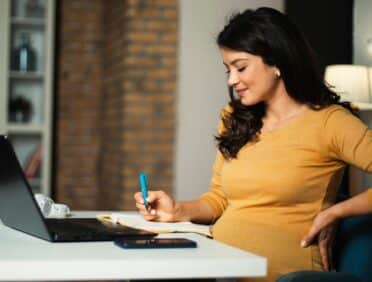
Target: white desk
(23,257)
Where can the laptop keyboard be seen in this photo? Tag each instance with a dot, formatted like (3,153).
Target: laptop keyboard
(76,225)
(89,229)
(68,226)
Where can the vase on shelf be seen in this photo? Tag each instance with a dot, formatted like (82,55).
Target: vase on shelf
(20,110)
(24,56)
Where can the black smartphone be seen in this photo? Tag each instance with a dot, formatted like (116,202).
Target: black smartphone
(155,243)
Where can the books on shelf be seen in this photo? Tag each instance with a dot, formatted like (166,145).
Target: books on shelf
(33,165)
(138,222)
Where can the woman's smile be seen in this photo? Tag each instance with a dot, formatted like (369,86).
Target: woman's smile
(241,92)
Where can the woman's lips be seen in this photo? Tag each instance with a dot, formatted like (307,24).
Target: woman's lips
(241,92)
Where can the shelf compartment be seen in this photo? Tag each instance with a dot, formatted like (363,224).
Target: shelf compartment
(35,184)
(25,147)
(29,153)
(26,102)
(24,37)
(28,8)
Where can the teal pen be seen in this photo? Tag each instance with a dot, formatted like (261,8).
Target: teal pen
(143,184)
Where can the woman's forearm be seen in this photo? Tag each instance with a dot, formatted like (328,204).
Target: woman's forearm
(357,205)
(197,211)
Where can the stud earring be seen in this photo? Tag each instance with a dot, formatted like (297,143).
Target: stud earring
(277,72)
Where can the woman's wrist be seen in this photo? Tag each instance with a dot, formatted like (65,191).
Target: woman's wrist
(179,212)
(197,211)
(337,211)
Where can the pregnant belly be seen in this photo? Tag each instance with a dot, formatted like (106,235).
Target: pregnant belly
(278,244)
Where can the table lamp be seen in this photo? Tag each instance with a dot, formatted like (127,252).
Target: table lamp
(351,82)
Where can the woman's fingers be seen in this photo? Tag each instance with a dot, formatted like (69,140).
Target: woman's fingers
(148,211)
(155,196)
(160,206)
(323,249)
(330,259)
(138,198)
(141,207)
(152,196)
(310,236)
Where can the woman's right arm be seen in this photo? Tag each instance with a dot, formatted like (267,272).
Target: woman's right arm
(205,209)
(163,208)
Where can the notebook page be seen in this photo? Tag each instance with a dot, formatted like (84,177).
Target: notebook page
(138,222)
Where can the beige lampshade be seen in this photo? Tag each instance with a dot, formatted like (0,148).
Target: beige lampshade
(351,82)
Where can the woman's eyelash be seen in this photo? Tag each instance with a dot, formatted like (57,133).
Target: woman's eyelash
(239,70)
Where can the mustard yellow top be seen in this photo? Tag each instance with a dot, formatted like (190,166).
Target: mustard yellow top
(265,200)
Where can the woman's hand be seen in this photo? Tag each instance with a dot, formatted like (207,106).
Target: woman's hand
(323,228)
(161,207)
(326,240)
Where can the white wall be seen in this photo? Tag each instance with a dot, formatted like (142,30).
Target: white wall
(202,90)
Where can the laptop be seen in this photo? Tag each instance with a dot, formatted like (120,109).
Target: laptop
(19,210)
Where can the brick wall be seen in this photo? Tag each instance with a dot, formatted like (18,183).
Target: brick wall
(116,112)
(79,99)
(112,123)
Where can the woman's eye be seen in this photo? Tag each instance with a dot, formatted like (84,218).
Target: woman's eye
(227,71)
(241,69)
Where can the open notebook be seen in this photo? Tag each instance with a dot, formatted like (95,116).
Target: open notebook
(138,222)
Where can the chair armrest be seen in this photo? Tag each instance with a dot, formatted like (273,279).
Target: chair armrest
(353,250)
(318,276)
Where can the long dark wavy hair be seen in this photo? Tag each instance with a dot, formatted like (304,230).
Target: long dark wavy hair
(268,33)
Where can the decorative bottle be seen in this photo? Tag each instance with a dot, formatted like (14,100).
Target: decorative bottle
(24,57)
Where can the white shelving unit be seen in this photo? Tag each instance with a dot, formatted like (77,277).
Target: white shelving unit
(26,84)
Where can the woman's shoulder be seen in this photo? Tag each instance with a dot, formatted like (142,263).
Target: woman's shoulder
(338,119)
(334,109)
(335,113)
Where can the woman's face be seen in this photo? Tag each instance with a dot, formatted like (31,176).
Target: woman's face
(253,81)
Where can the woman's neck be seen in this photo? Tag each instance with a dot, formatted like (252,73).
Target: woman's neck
(280,111)
(282,107)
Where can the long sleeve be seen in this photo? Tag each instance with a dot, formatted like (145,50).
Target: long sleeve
(348,139)
(215,197)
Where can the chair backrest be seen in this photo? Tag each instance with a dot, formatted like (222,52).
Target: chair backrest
(353,249)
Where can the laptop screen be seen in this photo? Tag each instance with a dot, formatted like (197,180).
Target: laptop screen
(18,208)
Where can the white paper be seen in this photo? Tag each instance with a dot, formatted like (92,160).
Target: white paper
(138,222)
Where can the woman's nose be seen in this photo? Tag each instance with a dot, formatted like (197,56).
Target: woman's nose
(232,79)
